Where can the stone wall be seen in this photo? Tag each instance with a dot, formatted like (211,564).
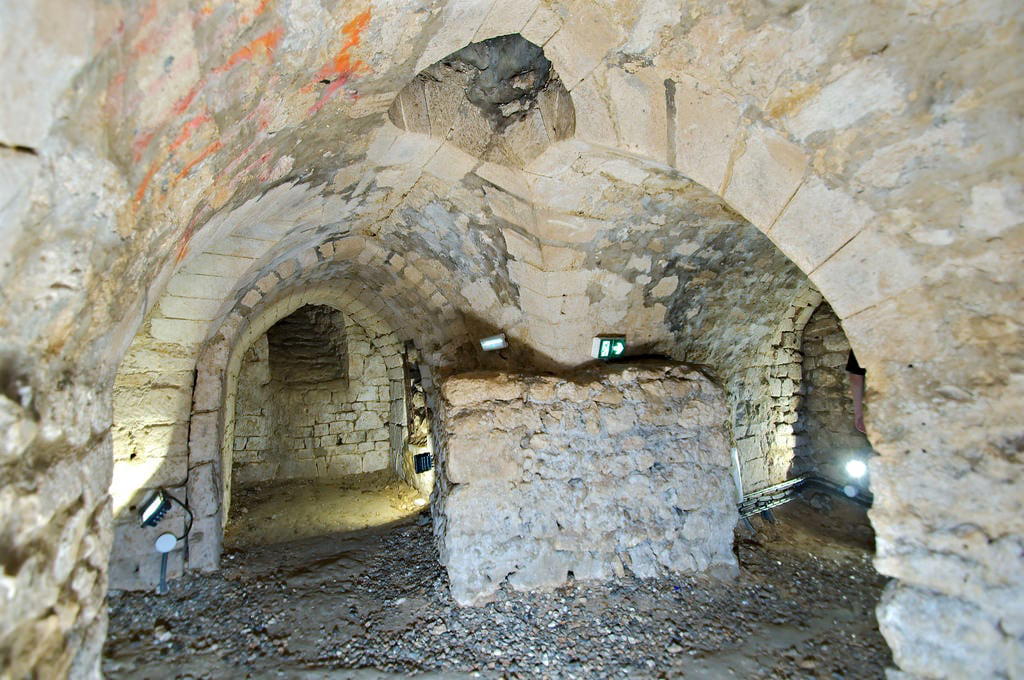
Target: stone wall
(615,468)
(256,413)
(324,410)
(762,386)
(825,435)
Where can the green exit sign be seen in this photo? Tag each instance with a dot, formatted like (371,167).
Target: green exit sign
(608,347)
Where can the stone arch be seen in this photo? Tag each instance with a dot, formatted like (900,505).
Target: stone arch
(211,441)
(158,385)
(826,438)
(954,430)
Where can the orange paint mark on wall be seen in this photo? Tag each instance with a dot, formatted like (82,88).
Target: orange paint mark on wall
(249,17)
(261,46)
(341,69)
(188,129)
(212,148)
(144,184)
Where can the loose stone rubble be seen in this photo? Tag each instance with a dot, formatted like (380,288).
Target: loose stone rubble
(379,604)
(609,469)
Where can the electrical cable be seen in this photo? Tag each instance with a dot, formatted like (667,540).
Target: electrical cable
(188,527)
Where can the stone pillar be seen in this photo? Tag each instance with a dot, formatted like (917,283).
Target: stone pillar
(621,467)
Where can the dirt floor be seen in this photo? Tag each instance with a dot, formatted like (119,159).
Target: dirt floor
(286,511)
(375,604)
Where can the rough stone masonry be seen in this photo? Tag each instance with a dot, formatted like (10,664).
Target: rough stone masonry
(169,170)
(589,474)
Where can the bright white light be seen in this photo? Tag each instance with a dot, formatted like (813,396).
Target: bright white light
(420,502)
(856,468)
(493,342)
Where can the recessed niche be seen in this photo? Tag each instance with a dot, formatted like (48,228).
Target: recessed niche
(500,100)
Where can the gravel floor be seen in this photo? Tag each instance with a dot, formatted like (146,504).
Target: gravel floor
(803,607)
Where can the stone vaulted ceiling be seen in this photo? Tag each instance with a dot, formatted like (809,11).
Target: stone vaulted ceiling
(173,171)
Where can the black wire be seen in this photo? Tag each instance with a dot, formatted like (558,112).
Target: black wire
(184,507)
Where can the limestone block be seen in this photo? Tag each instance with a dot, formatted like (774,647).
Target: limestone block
(199,286)
(185,332)
(560,226)
(506,18)
(204,490)
(580,45)
(876,261)
(450,163)
(174,307)
(136,565)
(204,543)
(594,117)
(211,264)
(541,25)
(866,88)
(45,44)
(152,405)
(368,420)
(919,624)
(459,22)
(638,104)
(706,128)
(376,459)
(798,231)
(546,570)
(765,175)
(474,389)
(237,246)
(470,458)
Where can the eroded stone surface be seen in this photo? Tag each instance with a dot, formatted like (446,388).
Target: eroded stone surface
(177,165)
(624,467)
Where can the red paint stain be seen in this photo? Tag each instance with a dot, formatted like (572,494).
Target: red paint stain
(141,143)
(114,99)
(210,149)
(183,244)
(341,69)
(149,13)
(188,129)
(261,46)
(181,106)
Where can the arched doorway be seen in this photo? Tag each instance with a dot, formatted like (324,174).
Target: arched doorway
(319,438)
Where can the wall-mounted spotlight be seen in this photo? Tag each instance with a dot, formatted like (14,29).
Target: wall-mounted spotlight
(153,510)
(494,342)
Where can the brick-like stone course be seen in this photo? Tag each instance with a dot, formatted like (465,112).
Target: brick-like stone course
(299,416)
(825,435)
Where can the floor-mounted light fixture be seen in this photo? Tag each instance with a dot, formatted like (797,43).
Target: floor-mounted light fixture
(150,514)
(856,468)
